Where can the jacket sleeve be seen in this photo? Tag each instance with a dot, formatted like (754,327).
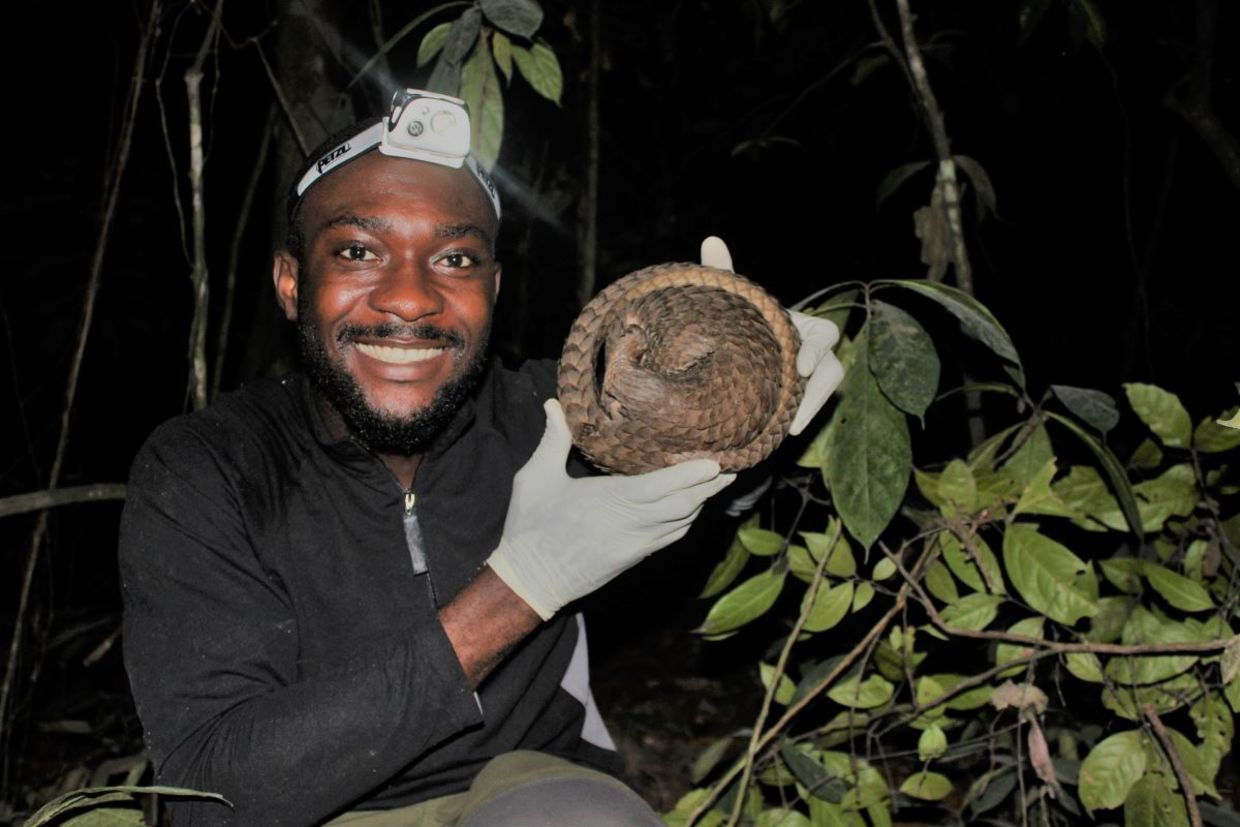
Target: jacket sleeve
(212,658)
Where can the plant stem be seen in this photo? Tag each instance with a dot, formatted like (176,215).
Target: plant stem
(53,498)
(780,667)
(198,273)
(587,214)
(1177,763)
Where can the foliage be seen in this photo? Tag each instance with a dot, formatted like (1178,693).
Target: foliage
(118,806)
(474,56)
(1018,621)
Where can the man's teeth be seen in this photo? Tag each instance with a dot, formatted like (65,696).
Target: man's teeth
(400,355)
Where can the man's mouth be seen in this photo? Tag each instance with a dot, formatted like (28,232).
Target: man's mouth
(399,355)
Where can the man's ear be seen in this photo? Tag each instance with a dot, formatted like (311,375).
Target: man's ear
(285,273)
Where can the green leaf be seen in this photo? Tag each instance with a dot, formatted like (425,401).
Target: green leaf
(481,90)
(1031,457)
(432,43)
(975,320)
(501,49)
(446,77)
(965,567)
(862,596)
(940,584)
(1111,768)
(541,70)
(1129,702)
(91,798)
(1095,408)
(519,17)
(1181,592)
(829,608)
(811,774)
(709,758)
(841,562)
(1215,436)
(926,785)
(855,693)
(1039,498)
(1232,421)
(1152,803)
(932,743)
(783,693)
(1199,775)
(1147,455)
(815,455)
(1084,665)
(1113,469)
(1144,627)
(726,570)
(883,569)
(1008,652)
(1050,578)
(1162,412)
(782,817)
(903,358)
(746,602)
(868,456)
(462,36)
(973,612)
(957,489)
(969,699)
(1216,727)
(760,541)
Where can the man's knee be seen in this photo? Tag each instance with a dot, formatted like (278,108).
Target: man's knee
(565,802)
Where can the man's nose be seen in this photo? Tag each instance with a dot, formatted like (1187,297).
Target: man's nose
(407,291)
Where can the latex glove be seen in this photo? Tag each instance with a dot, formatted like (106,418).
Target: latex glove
(815,359)
(565,537)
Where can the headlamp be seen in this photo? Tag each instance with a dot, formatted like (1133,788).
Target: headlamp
(423,126)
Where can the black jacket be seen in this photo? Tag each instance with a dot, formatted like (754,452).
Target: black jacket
(281,649)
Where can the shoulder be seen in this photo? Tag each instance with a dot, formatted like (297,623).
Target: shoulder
(260,423)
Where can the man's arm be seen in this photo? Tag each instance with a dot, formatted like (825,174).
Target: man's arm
(483,622)
(216,668)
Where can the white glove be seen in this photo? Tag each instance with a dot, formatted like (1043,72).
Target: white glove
(565,537)
(815,359)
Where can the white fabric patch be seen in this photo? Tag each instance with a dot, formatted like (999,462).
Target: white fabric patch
(576,682)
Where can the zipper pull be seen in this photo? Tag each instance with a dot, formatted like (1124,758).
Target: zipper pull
(410,498)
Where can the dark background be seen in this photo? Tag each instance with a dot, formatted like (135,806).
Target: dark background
(1111,257)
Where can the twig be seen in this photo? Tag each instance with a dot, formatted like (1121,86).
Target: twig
(780,666)
(111,195)
(198,273)
(53,498)
(234,253)
(278,91)
(1177,763)
(795,709)
(942,147)
(587,212)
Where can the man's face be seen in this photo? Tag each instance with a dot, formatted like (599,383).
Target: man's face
(393,295)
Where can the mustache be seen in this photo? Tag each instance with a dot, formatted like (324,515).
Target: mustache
(427,332)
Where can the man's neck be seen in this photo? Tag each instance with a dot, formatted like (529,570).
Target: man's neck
(402,467)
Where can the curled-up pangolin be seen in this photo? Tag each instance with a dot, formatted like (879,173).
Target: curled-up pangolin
(676,362)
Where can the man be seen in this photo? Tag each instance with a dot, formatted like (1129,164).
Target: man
(344,589)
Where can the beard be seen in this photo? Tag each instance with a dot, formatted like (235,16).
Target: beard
(380,431)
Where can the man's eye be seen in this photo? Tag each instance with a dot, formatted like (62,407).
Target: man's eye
(457,261)
(357,252)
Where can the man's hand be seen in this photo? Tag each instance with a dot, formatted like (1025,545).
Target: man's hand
(815,359)
(565,537)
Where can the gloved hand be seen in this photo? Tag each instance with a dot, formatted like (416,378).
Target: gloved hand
(815,359)
(565,537)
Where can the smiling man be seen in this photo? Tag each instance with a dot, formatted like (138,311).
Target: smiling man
(345,589)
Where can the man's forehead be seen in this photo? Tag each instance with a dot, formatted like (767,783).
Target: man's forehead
(375,185)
